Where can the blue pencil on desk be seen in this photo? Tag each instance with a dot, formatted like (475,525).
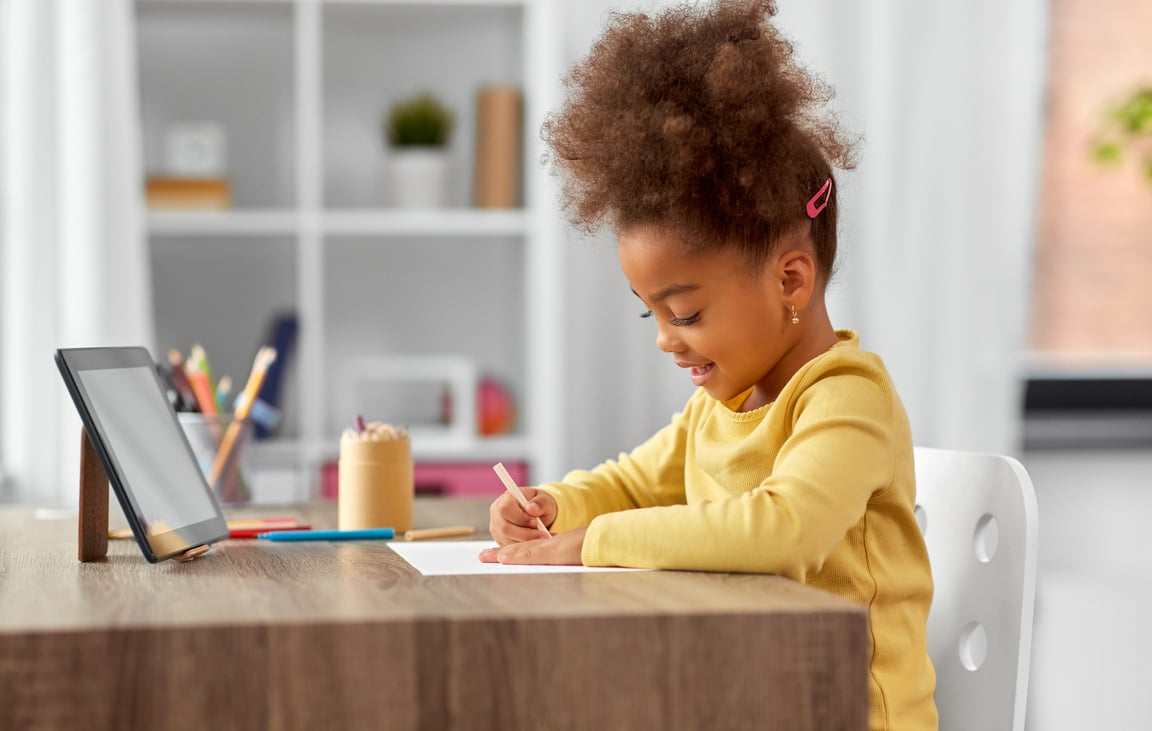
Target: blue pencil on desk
(329,535)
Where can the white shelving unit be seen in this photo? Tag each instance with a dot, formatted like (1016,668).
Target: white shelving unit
(300,87)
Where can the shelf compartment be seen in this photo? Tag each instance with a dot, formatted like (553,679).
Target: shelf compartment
(470,300)
(231,64)
(226,302)
(374,55)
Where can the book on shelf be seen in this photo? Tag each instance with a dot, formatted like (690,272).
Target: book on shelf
(188,194)
(282,337)
(496,181)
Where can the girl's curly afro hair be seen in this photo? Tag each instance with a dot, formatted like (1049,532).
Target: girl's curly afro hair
(698,120)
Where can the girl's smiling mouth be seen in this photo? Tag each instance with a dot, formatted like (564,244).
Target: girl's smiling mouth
(699,373)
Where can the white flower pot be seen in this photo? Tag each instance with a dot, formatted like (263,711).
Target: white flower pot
(417,176)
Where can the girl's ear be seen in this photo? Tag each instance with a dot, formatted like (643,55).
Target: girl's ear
(796,272)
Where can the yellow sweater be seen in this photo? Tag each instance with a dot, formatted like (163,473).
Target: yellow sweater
(818,486)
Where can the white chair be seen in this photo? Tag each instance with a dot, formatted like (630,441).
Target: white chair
(979,519)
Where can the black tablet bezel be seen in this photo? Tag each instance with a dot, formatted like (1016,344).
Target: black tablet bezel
(71,361)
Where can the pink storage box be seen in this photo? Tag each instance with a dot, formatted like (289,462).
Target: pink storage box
(452,479)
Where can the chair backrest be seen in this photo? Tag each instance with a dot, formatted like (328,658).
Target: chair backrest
(979,519)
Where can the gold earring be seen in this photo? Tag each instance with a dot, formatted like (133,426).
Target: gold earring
(795,317)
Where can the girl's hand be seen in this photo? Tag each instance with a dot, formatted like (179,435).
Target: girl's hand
(509,523)
(561,549)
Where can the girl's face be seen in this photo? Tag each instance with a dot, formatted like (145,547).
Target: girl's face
(729,327)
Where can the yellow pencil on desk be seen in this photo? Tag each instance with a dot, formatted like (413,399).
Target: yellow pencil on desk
(424,534)
(510,485)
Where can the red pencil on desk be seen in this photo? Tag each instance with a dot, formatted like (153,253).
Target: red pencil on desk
(254,531)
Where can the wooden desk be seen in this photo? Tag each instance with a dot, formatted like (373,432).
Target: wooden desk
(346,635)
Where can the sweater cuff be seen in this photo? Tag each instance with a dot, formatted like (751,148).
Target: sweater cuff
(590,552)
(568,512)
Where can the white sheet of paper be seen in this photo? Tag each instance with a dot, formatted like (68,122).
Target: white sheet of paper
(453,558)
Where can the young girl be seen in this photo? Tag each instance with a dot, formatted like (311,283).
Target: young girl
(695,135)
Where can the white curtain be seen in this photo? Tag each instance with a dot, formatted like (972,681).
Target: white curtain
(936,228)
(938,219)
(74,267)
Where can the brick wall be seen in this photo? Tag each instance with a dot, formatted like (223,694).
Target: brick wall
(1092,292)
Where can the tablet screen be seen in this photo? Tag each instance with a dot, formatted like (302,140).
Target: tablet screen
(167,485)
(142,447)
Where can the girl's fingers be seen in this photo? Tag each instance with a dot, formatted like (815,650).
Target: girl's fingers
(542,506)
(489,555)
(520,534)
(510,523)
(564,548)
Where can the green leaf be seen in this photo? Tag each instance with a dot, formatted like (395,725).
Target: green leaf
(1135,114)
(1130,129)
(1107,152)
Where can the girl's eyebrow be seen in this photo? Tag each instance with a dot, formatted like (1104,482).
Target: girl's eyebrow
(667,292)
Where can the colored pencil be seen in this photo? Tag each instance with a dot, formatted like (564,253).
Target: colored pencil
(264,358)
(424,534)
(202,388)
(223,390)
(256,531)
(361,534)
(510,485)
(199,358)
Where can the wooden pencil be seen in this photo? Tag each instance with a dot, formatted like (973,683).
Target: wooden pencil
(511,486)
(424,534)
(264,358)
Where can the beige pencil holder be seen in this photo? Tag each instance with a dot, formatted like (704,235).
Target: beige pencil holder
(375,478)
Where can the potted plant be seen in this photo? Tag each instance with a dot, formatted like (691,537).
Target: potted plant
(417,131)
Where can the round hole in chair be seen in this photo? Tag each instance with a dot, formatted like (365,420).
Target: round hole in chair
(986,539)
(921,518)
(973,645)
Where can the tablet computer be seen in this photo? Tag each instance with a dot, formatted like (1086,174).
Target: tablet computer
(134,430)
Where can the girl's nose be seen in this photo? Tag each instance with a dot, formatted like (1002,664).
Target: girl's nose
(667,339)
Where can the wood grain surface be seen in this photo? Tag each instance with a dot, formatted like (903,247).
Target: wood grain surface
(347,635)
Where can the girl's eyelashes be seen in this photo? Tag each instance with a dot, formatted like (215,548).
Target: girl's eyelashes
(678,321)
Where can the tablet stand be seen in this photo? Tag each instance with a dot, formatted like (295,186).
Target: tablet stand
(93,522)
(93,527)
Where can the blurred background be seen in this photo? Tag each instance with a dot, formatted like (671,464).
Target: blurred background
(360,182)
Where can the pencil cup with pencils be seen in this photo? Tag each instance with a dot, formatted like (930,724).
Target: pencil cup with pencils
(375,478)
(225,472)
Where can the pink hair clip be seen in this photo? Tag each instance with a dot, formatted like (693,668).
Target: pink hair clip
(819,201)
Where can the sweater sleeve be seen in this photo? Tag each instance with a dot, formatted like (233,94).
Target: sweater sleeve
(836,451)
(650,475)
